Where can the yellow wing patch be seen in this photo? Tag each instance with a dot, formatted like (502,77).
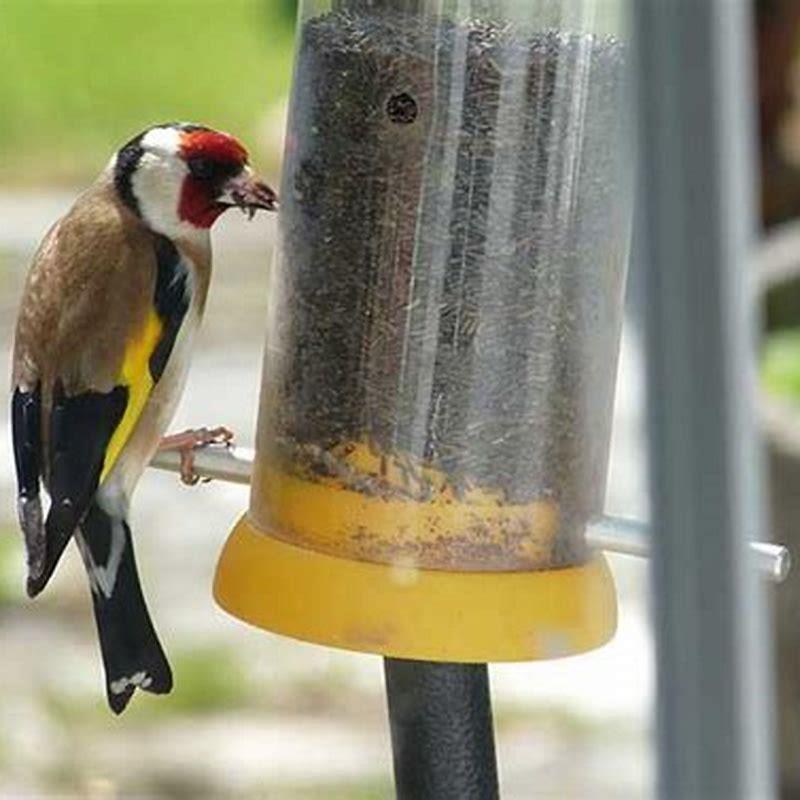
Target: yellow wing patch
(135,375)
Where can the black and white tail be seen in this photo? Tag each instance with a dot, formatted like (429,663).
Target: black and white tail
(132,655)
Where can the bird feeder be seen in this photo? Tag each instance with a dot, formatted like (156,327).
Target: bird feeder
(443,331)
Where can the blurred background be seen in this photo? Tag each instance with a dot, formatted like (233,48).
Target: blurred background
(252,715)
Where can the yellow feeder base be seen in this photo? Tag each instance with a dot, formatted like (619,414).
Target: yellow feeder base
(404,612)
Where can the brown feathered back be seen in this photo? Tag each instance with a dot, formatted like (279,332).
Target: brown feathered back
(94,272)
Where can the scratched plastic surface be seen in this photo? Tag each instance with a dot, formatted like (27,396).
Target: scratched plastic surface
(446,303)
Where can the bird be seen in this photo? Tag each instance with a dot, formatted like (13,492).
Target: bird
(109,311)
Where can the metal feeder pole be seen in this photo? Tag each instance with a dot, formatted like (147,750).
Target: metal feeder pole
(441,724)
(714,689)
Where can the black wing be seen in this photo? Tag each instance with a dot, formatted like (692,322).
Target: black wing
(26,427)
(80,429)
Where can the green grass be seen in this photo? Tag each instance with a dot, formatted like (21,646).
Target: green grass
(369,789)
(80,77)
(780,364)
(209,679)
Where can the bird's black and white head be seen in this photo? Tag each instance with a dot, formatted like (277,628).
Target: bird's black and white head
(180,177)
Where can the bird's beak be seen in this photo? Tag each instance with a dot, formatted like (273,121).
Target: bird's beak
(248,192)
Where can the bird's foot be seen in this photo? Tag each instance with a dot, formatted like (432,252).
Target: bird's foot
(188,441)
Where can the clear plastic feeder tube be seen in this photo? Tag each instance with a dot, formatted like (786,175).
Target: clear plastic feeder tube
(447,299)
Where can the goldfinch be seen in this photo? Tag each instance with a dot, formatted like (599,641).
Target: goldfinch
(109,312)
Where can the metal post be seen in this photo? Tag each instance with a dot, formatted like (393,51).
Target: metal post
(441,723)
(714,690)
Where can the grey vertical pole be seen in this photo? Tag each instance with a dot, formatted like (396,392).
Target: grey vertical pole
(714,688)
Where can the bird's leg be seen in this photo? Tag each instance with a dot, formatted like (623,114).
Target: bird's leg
(190,440)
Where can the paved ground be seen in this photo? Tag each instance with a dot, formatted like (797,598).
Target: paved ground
(253,715)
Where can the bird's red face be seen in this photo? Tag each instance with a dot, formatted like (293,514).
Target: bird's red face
(180,177)
(218,178)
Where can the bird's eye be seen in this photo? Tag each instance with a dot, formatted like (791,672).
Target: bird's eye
(201,168)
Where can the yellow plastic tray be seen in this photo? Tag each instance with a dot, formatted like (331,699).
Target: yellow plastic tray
(404,612)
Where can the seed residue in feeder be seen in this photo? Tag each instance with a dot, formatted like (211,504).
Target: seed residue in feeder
(450,286)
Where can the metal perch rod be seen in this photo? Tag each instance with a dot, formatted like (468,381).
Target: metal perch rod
(616,534)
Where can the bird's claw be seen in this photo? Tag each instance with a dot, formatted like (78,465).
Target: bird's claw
(187,442)
(188,475)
